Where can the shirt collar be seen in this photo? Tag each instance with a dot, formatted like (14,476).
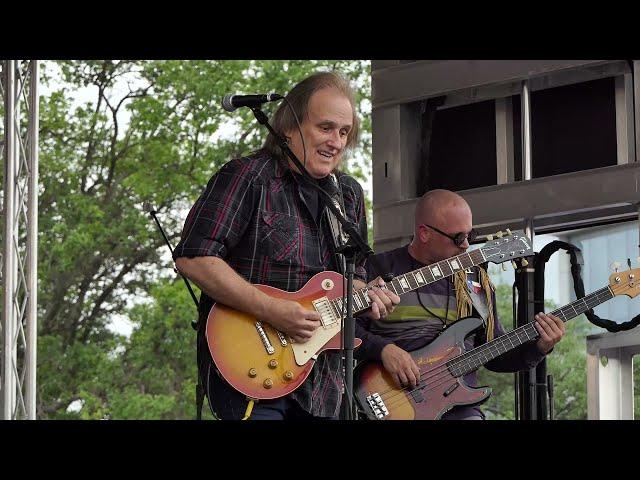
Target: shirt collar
(282,167)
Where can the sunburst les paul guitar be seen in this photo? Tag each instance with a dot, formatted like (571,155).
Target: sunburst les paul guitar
(444,362)
(264,363)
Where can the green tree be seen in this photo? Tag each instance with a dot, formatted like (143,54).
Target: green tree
(500,404)
(99,253)
(159,359)
(568,365)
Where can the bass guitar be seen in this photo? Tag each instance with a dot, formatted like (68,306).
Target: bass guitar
(444,362)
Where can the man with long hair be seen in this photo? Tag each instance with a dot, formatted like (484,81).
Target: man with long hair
(259,222)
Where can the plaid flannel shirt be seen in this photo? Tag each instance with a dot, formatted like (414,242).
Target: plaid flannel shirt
(253,215)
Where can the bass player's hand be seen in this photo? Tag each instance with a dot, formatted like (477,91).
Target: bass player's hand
(400,365)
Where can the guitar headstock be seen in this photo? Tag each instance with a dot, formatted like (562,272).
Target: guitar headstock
(625,283)
(507,246)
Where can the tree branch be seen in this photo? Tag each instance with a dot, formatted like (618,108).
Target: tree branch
(106,293)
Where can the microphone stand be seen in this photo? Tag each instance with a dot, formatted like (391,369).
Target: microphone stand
(351,250)
(199,388)
(149,209)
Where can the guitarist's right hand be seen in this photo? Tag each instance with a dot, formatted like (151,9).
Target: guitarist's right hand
(292,318)
(400,365)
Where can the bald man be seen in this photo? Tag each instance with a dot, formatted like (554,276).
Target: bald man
(442,229)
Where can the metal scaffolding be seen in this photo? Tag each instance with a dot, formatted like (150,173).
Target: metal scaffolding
(19,204)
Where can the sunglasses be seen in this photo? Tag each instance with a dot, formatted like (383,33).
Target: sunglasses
(459,238)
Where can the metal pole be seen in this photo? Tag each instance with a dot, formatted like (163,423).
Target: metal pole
(32,245)
(18,266)
(3,254)
(527,379)
(526,133)
(8,312)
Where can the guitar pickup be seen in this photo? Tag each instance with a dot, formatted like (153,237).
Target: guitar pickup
(417,396)
(328,317)
(283,340)
(450,390)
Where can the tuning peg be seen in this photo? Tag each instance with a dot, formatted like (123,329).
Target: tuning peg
(504,267)
(499,234)
(629,262)
(508,232)
(615,266)
(515,265)
(524,262)
(490,237)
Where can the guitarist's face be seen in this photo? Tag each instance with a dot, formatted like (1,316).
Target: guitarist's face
(326,130)
(451,219)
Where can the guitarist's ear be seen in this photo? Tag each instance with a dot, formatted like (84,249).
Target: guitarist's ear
(423,233)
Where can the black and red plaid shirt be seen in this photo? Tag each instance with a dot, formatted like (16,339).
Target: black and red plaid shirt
(253,214)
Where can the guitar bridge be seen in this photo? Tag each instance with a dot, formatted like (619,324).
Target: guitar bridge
(377,405)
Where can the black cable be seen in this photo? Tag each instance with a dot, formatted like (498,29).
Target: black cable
(304,148)
(414,266)
(446,314)
(516,375)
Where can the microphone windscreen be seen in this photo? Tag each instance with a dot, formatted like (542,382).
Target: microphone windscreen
(227,104)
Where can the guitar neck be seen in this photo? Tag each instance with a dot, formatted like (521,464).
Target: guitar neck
(415,279)
(473,359)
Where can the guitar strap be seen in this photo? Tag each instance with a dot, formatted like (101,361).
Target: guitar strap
(576,266)
(465,301)
(340,238)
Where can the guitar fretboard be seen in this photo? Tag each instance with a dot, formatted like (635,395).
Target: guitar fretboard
(414,279)
(473,359)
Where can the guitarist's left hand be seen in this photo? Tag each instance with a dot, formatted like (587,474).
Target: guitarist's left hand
(384,299)
(551,330)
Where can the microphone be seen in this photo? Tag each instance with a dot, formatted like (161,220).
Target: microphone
(231,102)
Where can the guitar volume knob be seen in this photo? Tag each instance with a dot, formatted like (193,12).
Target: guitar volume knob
(288,375)
(268,383)
(273,363)
(253,373)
